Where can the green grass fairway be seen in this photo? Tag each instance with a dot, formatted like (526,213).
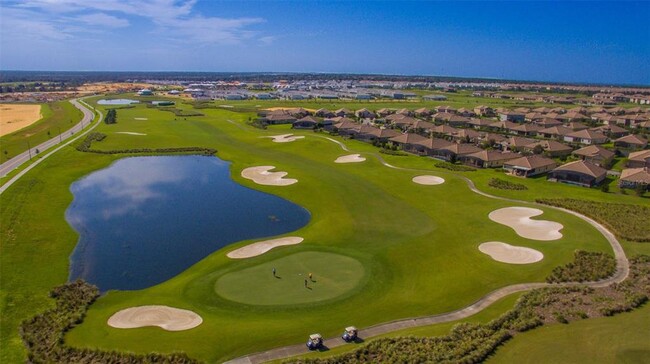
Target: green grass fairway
(623,338)
(380,247)
(333,275)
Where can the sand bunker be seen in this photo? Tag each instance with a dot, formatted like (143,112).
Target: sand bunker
(506,253)
(352,158)
(519,219)
(262,176)
(165,317)
(129,133)
(428,180)
(14,117)
(261,247)
(140,118)
(285,138)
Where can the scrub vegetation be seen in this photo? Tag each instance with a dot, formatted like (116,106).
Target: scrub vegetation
(502,184)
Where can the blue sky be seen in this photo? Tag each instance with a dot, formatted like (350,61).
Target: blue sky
(598,42)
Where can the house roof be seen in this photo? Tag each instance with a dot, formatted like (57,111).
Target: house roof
(583,167)
(520,142)
(479,122)
(636,175)
(547,122)
(408,138)
(444,129)
(632,139)
(527,128)
(556,130)
(343,110)
(551,146)
(384,133)
(493,155)
(610,129)
(308,118)
(422,110)
(462,133)
(434,143)
(639,156)
(421,124)
(594,151)
(531,162)
(587,134)
(503,125)
(462,148)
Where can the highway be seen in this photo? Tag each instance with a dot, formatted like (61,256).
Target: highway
(18,160)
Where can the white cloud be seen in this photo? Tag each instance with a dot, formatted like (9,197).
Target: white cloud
(173,19)
(102,19)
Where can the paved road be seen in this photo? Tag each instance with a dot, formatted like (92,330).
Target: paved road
(72,132)
(18,160)
(622,272)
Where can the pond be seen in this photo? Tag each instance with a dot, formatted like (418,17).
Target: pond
(144,220)
(117,102)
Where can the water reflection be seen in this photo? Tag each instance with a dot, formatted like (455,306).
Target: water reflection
(143,220)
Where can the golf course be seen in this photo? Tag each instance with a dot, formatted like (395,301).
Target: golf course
(389,237)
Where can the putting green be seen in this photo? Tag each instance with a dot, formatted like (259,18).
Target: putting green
(333,276)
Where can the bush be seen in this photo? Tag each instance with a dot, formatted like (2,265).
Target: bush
(43,335)
(454,167)
(85,147)
(506,185)
(393,152)
(586,266)
(627,221)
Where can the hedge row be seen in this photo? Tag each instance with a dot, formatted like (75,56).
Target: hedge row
(43,335)
(506,185)
(85,145)
(454,167)
(627,221)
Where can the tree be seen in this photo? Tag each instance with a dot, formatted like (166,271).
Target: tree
(639,189)
(111,117)
(604,187)
(538,149)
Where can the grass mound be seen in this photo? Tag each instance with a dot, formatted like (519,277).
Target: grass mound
(587,266)
(506,185)
(333,276)
(630,222)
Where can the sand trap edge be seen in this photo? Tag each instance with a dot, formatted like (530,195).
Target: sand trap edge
(177,320)
(261,247)
(510,254)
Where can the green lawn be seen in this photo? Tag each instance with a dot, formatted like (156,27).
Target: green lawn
(60,115)
(416,245)
(623,338)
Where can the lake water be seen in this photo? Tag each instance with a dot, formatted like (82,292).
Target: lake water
(117,102)
(144,220)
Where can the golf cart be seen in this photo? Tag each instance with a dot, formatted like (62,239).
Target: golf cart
(315,342)
(350,334)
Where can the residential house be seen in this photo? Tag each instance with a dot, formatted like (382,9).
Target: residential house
(343,112)
(484,111)
(630,143)
(550,148)
(408,141)
(466,136)
(634,177)
(364,114)
(547,122)
(529,166)
(488,158)
(586,136)
(430,145)
(575,126)
(307,122)
(454,151)
(639,159)
(324,113)
(554,132)
(526,129)
(611,130)
(479,123)
(278,117)
(423,112)
(596,154)
(512,116)
(579,173)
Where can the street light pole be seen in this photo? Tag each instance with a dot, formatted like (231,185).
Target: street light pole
(29,150)
(59,134)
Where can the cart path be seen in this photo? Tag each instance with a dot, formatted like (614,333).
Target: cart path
(622,271)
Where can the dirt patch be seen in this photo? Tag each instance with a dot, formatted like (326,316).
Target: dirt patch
(14,117)
(262,176)
(506,253)
(165,317)
(428,180)
(352,158)
(261,247)
(519,219)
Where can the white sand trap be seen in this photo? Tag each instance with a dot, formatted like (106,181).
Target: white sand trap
(140,118)
(262,176)
(519,219)
(261,247)
(285,138)
(506,253)
(352,158)
(165,317)
(129,133)
(428,180)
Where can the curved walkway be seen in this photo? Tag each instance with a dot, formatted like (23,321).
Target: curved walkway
(622,271)
(85,108)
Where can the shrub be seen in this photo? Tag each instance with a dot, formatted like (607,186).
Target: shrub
(586,266)
(506,185)
(627,221)
(392,152)
(454,167)
(85,147)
